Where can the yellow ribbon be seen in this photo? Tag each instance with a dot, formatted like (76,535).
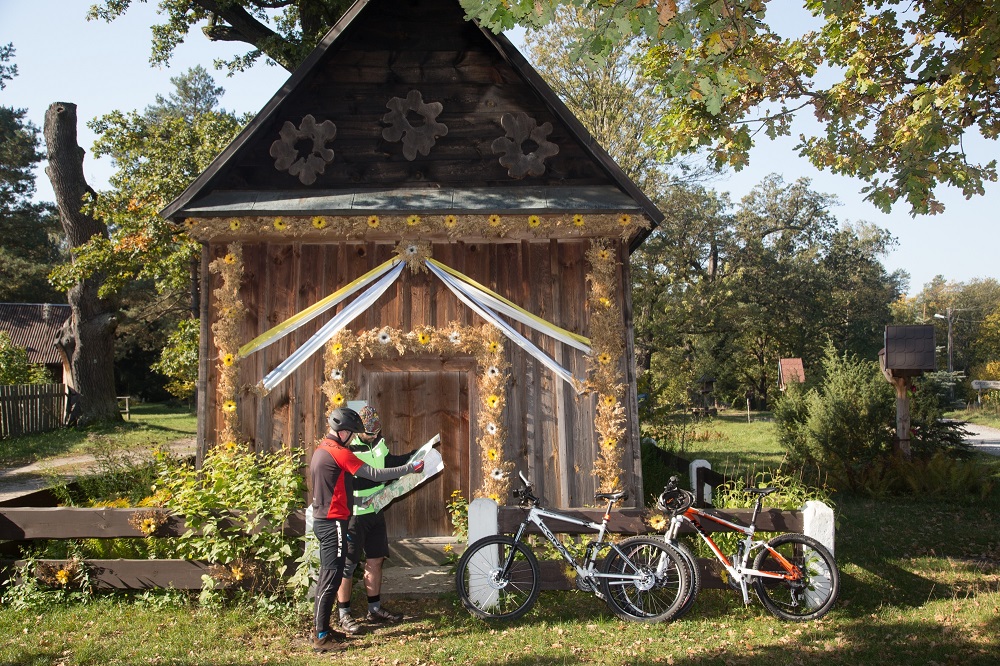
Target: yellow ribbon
(296,320)
(541,322)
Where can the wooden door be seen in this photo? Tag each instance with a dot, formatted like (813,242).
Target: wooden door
(416,400)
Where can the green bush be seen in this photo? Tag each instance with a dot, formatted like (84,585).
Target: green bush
(930,432)
(14,365)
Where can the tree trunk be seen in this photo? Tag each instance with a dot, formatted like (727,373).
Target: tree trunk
(92,326)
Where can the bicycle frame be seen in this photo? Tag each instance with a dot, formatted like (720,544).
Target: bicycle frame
(737,569)
(536,517)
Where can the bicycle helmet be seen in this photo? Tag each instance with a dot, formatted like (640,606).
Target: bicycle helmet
(675,501)
(345,418)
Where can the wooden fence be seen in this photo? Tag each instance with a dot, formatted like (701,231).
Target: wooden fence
(31,408)
(19,525)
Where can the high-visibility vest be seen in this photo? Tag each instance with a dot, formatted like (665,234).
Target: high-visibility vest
(373,455)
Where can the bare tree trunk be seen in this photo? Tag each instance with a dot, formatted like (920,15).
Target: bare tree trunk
(92,326)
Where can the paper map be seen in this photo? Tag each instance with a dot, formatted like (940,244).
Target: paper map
(433,463)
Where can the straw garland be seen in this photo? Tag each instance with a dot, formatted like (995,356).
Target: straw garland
(492,225)
(607,335)
(227,337)
(485,344)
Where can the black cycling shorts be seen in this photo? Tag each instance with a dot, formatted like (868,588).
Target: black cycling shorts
(366,534)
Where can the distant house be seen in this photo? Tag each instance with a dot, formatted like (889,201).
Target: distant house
(790,370)
(35,327)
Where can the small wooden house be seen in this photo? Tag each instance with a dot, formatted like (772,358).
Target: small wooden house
(36,328)
(413,138)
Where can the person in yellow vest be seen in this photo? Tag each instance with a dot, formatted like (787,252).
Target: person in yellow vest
(366,531)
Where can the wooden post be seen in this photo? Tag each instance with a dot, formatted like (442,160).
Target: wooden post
(902,440)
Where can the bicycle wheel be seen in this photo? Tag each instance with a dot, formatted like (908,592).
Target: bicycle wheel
(486,590)
(694,577)
(658,593)
(807,598)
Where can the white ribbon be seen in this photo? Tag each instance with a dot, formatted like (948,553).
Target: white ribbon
(330,329)
(470,296)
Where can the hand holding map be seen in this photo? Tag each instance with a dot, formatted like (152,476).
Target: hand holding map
(433,463)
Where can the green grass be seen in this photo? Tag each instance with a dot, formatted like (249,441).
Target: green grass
(149,424)
(978,416)
(920,585)
(729,442)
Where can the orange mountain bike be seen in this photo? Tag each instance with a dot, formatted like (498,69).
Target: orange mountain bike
(794,576)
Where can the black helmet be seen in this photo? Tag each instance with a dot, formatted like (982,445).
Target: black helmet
(345,418)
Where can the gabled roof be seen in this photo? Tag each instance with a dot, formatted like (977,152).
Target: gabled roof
(384,49)
(34,326)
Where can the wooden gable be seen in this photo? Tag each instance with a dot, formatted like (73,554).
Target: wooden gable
(385,50)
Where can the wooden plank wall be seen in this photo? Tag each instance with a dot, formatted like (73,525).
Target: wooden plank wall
(550,427)
(31,408)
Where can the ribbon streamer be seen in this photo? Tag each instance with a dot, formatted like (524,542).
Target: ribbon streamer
(462,290)
(305,316)
(516,312)
(328,330)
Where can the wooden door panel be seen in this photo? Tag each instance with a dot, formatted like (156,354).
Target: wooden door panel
(415,405)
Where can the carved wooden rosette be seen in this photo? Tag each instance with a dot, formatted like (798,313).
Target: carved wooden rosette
(415,139)
(521,127)
(306,167)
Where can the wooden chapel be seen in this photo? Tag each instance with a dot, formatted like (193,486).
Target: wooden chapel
(412,130)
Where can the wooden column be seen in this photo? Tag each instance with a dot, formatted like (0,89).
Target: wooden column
(901,443)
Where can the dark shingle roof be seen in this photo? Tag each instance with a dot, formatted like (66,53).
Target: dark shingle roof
(35,326)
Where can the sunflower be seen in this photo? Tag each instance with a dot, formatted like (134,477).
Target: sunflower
(657,521)
(423,337)
(338,399)
(609,443)
(492,455)
(237,573)
(337,348)
(190,223)
(624,219)
(229,406)
(610,400)
(229,446)
(234,225)
(493,400)
(604,255)
(494,220)
(373,221)
(605,301)
(319,222)
(228,360)
(578,220)
(494,347)
(413,220)
(62,576)
(534,221)
(230,258)
(148,526)
(604,358)
(450,221)
(280,224)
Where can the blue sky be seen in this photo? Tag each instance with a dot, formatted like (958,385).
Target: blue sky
(101,67)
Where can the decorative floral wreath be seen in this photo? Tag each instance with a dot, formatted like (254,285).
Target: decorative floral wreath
(286,153)
(484,343)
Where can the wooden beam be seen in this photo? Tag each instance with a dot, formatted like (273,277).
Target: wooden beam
(138,574)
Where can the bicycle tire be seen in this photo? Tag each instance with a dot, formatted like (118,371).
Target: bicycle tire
(798,601)
(658,596)
(482,589)
(694,577)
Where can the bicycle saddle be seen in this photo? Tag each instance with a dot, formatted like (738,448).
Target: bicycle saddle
(763,492)
(614,497)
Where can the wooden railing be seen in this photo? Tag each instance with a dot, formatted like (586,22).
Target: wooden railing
(19,525)
(29,408)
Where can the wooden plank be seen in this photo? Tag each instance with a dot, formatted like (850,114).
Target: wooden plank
(139,574)
(629,520)
(26,523)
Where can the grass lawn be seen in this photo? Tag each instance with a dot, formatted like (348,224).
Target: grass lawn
(728,441)
(920,584)
(149,424)
(978,416)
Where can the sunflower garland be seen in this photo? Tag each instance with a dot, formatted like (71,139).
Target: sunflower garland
(492,225)
(484,343)
(227,337)
(607,336)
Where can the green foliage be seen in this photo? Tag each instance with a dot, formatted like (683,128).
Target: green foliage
(14,365)
(931,433)
(236,506)
(179,359)
(843,425)
(941,475)
(894,89)
(458,513)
